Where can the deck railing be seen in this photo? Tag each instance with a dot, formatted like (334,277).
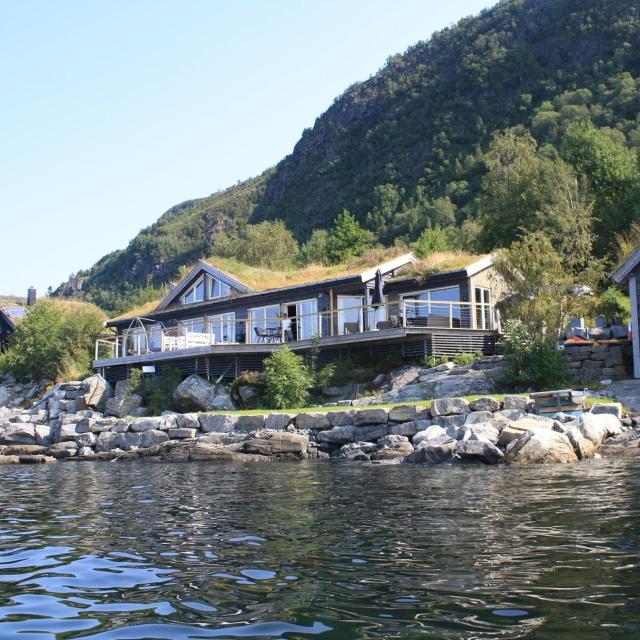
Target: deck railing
(407,313)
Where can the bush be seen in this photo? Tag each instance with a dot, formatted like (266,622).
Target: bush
(57,338)
(434,361)
(531,363)
(156,390)
(612,304)
(466,358)
(287,380)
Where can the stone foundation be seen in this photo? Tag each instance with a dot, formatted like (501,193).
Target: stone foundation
(600,361)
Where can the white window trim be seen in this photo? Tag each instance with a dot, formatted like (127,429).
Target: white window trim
(192,289)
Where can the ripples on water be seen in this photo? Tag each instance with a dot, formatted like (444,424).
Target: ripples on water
(136,551)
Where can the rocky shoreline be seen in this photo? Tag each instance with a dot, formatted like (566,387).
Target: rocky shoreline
(451,430)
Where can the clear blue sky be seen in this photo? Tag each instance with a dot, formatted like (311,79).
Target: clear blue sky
(113,111)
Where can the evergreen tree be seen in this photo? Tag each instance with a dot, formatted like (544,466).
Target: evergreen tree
(347,239)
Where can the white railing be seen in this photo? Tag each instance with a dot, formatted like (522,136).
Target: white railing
(407,313)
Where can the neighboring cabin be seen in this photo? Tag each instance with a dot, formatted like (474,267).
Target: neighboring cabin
(628,273)
(214,324)
(12,314)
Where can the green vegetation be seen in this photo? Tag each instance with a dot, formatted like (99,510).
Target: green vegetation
(613,304)
(55,342)
(156,390)
(347,239)
(287,380)
(521,119)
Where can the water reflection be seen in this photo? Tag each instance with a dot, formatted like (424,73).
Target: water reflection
(130,550)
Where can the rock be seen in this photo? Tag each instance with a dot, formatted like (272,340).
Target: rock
(210,452)
(128,441)
(403,413)
(121,406)
(278,421)
(478,416)
(478,450)
(379,381)
(106,441)
(178,450)
(221,423)
(313,420)
(393,446)
(182,434)
(248,423)
(519,403)
(43,435)
(484,404)
(153,437)
(9,460)
(98,391)
(449,406)
(5,396)
(337,435)
(543,446)
(196,394)
(340,418)
(613,408)
(370,416)
(510,414)
(18,434)
(430,434)
(485,432)
(445,366)
(432,453)
(23,450)
(162,423)
(277,443)
(67,432)
(582,447)
(221,438)
(370,432)
(352,451)
(450,422)
(597,427)
(85,439)
(403,429)
(62,449)
(249,395)
(86,452)
(519,428)
(187,421)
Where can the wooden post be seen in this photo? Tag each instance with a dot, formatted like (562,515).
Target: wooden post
(331,313)
(365,314)
(635,344)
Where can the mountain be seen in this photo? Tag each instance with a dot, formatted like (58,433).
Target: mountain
(404,149)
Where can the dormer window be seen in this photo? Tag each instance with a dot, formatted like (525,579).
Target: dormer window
(195,294)
(218,289)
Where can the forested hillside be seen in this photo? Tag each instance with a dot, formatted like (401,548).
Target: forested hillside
(428,143)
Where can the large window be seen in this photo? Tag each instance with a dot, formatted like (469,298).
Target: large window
(263,318)
(351,315)
(196,325)
(223,327)
(482,298)
(218,289)
(434,302)
(195,294)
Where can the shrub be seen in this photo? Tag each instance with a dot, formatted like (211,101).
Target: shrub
(466,358)
(612,304)
(530,362)
(156,390)
(287,380)
(434,361)
(56,338)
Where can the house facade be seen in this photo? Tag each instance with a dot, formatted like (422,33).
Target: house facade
(628,274)
(213,324)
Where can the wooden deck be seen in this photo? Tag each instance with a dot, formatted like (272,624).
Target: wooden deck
(450,341)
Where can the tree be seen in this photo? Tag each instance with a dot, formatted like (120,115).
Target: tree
(525,192)
(540,292)
(612,172)
(434,240)
(287,380)
(55,339)
(314,250)
(268,244)
(347,238)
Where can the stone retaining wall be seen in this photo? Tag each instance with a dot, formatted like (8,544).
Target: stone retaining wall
(600,361)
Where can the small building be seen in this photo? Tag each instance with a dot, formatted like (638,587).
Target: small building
(213,324)
(628,274)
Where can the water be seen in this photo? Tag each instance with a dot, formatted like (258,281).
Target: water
(133,550)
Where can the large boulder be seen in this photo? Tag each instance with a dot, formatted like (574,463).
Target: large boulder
(612,408)
(98,391)
(519,428)
(161,423)
(218,422)
(434,433)
(196,394)
(337,435)
(314,420)
(478,450)
(5,396)
(582,447)
(541,447)
(476,417)
(123,405)
(432,453)
(598,427)
(370,416)
(277,443)
(519,403)
(403,413)
(393,446)
(449,406)
(484,404)
(18,434)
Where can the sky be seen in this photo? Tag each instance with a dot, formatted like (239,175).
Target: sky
(111,112)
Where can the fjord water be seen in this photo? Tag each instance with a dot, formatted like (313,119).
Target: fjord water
(319,550)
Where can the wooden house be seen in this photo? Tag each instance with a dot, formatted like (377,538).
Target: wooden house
(213,324)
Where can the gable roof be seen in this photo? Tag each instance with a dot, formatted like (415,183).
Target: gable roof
(623,271)
(202,267)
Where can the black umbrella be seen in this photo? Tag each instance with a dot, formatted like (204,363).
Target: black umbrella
(377,297)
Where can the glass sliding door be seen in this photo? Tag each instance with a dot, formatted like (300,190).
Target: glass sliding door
(263,318)
(307,320)
(349,314)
